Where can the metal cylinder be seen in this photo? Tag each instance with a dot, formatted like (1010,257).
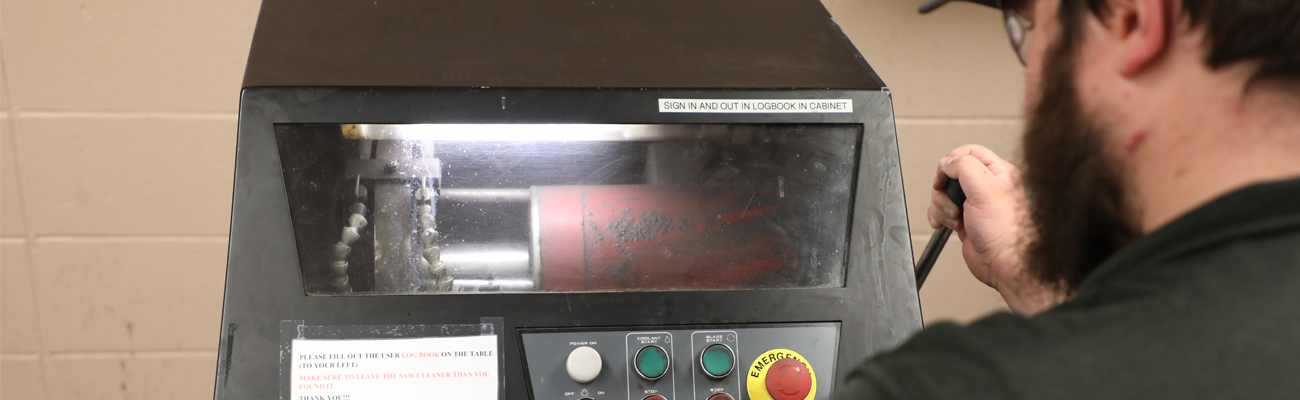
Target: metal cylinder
(472,195)
(470,260)
(517,284)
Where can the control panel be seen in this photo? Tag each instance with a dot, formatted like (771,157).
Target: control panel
(758,362)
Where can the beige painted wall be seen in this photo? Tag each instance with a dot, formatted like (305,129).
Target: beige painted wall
(117,134)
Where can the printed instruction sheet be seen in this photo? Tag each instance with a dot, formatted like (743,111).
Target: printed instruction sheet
(463,368)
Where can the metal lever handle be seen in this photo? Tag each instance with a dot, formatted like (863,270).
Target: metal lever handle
(931,254)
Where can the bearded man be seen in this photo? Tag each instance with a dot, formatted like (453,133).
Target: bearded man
(1152,249)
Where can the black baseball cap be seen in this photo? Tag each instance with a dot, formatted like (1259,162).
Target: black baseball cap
(934,4)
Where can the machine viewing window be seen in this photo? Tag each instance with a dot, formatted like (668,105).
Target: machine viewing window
(446,208)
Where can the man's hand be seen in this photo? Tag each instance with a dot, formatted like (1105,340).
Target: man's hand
(993,228)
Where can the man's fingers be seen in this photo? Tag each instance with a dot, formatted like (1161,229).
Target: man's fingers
(941,217)
(942,206)
(940,178)
(943,212)
(985,156)
(976,178)
(981,153)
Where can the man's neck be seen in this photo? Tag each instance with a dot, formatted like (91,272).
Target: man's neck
(1210,144)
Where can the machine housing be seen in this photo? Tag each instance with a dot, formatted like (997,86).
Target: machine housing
(642,77)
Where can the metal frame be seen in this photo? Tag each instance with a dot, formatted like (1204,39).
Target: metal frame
(878,306)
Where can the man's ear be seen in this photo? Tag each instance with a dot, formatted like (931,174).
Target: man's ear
(1141,28)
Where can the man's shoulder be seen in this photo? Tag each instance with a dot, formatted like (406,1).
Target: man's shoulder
(986,359)
(1087,354)
(1198,326)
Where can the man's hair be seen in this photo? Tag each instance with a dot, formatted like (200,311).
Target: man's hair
(1267,31)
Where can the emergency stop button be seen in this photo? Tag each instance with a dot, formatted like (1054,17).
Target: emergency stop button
(583,364)
(781,374)
(788,379)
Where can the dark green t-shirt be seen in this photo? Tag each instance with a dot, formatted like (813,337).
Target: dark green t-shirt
(1207,307)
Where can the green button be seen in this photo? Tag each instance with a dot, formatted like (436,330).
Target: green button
(652,362)
(717,360)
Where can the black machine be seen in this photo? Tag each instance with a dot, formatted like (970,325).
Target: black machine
(561,200)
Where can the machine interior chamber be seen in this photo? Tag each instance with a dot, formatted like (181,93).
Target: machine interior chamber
(452,208)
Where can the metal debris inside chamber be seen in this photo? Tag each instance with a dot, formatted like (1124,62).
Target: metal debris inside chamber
(447,208)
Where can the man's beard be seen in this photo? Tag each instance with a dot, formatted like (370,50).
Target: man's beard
(1077,196)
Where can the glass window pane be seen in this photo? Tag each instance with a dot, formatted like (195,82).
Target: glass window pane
(443,208)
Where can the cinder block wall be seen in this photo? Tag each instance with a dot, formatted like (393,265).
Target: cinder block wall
(117,134)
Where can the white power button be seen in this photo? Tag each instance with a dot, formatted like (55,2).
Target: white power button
(583,364)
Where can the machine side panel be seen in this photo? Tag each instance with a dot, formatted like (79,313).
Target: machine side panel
(880,240)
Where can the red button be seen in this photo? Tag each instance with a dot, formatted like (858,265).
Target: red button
(788,379)
(654,397)
(721,396)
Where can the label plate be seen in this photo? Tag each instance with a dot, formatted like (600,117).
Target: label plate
(756,106)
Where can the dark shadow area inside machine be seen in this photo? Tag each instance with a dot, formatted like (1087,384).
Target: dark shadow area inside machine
(428,209)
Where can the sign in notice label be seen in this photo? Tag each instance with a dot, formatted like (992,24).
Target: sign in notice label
(755,106)
(463,368)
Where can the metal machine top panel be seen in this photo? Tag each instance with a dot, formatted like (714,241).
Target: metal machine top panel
(738,44)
